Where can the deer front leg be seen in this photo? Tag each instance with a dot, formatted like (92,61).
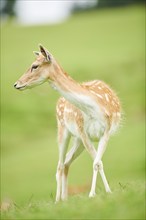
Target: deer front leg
(74,152)
(63,139)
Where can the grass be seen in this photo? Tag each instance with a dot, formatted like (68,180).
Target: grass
(107,45)
(124,203)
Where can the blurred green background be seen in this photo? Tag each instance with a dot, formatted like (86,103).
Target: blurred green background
(107,44)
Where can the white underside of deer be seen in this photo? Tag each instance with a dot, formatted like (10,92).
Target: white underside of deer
(87,112)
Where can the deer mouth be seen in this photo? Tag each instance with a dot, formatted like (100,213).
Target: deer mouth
(19,87)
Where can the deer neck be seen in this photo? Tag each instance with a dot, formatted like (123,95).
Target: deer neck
(72,91)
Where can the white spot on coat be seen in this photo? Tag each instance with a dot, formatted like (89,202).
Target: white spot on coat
(106,96)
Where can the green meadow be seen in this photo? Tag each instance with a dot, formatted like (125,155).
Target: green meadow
(106,44)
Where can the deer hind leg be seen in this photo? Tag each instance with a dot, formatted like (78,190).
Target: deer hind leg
(63,139)
(88,144)
(98,167)
(74,152)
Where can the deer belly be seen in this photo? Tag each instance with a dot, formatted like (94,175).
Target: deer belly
(94,129)
(73,128)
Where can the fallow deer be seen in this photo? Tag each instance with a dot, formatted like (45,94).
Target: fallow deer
(87,111)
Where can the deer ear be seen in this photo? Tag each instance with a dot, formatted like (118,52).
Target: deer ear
(45,53)
(36,53)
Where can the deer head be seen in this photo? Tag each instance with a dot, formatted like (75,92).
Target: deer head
(39,72)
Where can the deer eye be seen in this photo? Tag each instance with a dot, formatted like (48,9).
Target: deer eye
(34,67)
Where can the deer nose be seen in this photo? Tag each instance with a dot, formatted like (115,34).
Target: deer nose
(15,85)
